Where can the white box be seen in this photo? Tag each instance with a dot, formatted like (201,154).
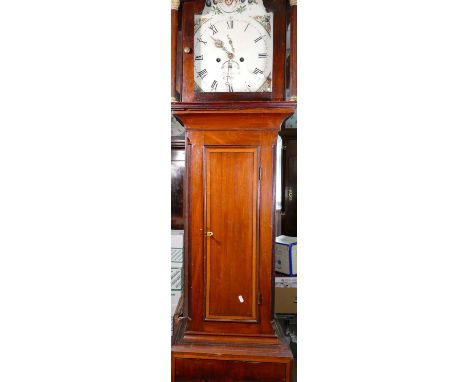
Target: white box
(177,257)
(285,282)
(177,278)
(177,260)
(286,255)
(177,238)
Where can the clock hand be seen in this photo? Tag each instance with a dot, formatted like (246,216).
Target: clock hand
(220,44)
(230,42)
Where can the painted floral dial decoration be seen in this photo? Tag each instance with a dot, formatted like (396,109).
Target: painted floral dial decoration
(233,47)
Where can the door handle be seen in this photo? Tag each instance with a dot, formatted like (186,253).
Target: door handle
(209,233)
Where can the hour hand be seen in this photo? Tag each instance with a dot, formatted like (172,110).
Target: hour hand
(218,43)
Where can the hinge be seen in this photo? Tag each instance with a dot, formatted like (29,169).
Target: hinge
(259,173)
(259,298)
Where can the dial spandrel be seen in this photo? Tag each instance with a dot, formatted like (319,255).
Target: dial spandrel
(233,49)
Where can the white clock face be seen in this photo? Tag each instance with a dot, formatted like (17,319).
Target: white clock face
(233,54)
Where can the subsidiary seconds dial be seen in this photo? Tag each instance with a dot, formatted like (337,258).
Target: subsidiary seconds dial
(232,55)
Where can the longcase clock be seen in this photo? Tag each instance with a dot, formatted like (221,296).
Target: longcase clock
(229,92)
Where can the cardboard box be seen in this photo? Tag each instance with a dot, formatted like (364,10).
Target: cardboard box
(286,255)
(286,300)
(286,295)
(286,282)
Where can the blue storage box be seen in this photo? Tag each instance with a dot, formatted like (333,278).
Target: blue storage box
(286,255)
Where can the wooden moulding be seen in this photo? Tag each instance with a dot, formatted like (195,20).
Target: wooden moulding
(258,345)
(221,118)
(230,105)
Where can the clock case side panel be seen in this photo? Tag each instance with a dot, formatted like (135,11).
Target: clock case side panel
(280,11)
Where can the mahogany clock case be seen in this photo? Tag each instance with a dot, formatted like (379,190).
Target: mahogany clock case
(225,330)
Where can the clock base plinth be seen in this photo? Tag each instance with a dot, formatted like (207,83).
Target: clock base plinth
(216,357)
(228,358)
(220,365)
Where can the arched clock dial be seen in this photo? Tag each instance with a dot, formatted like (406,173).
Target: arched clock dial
(233,54)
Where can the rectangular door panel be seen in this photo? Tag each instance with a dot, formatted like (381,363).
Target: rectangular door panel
(231,208)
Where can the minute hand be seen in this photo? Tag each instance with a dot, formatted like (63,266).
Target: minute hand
(230,43)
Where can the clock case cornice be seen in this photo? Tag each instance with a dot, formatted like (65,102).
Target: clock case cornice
(185,77)
(229,116)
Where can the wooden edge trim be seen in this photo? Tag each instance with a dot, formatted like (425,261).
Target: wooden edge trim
(269,358)
(259,335)
(223,340)
(231,106)
(235,111)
